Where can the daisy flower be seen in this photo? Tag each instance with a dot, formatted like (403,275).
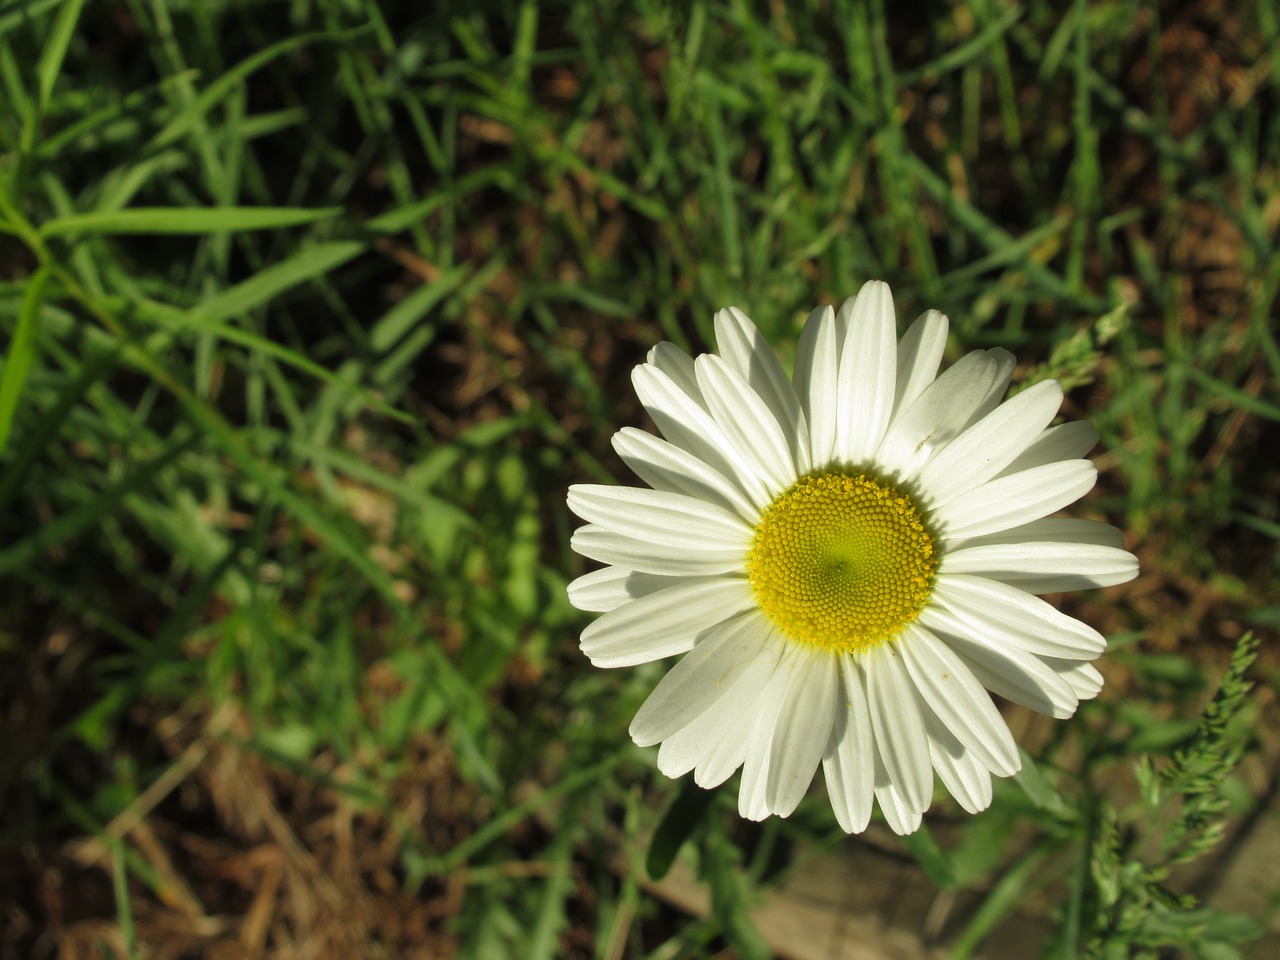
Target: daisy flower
(848,560)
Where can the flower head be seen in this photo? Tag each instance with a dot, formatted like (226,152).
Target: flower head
(848,559)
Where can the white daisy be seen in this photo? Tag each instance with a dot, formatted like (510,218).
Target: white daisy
(848,560)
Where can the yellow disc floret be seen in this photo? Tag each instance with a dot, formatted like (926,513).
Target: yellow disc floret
(842,561)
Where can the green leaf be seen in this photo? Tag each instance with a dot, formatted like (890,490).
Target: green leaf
(55,49)
(543,940)
(233,78)
(69,524)
(932,858)
(1038,789)
(408,313)
(259,289)
(120,889)
(731,893)
(966,52)
(38,435)
(98,724)
(1216,951)
(184,220)
(1241,400)
(17,361)
(24,14)
(676,826)
(48,67)
(1009,891)
(1232,927)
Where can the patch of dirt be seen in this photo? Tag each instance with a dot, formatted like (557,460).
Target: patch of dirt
(246,860)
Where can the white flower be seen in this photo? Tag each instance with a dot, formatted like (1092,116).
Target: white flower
(848,560)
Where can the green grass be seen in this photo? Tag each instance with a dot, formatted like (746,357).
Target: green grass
(312,311)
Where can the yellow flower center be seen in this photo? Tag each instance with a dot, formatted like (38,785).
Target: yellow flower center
(842,561)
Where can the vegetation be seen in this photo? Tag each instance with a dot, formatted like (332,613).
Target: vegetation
(311,311)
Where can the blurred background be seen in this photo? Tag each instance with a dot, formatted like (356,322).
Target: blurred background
(310,312)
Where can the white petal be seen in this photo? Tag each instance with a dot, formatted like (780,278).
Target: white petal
(677,365)
(746,421)
(1084,678)
(1008,615)
(664,466)
(900,814)
(961,772)
(1065,582)
(746,351)
(949,690)
(726,756)
(991,444)
(753,803)
(665,560)
(665,623)
(868,373)
(610,587)
(1005,364)
(1062,529)
(698,743)
(937,416)
(685,422)
(919,355)
(656,516)
(1015,499)
(695,683)
(900,737)
(802,729)
(723,758)
(817,368)
(849,762)
(1077,566)
(1013,673)
(1066,441)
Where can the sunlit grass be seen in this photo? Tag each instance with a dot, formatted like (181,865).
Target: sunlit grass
(312,311)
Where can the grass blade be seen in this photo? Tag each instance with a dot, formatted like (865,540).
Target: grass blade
(17,362)
(81,518)
(1004,898)
(233,78)
(37,437)
(48,68)
(184,220)
(25,13)
(932,858)
(263,287)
